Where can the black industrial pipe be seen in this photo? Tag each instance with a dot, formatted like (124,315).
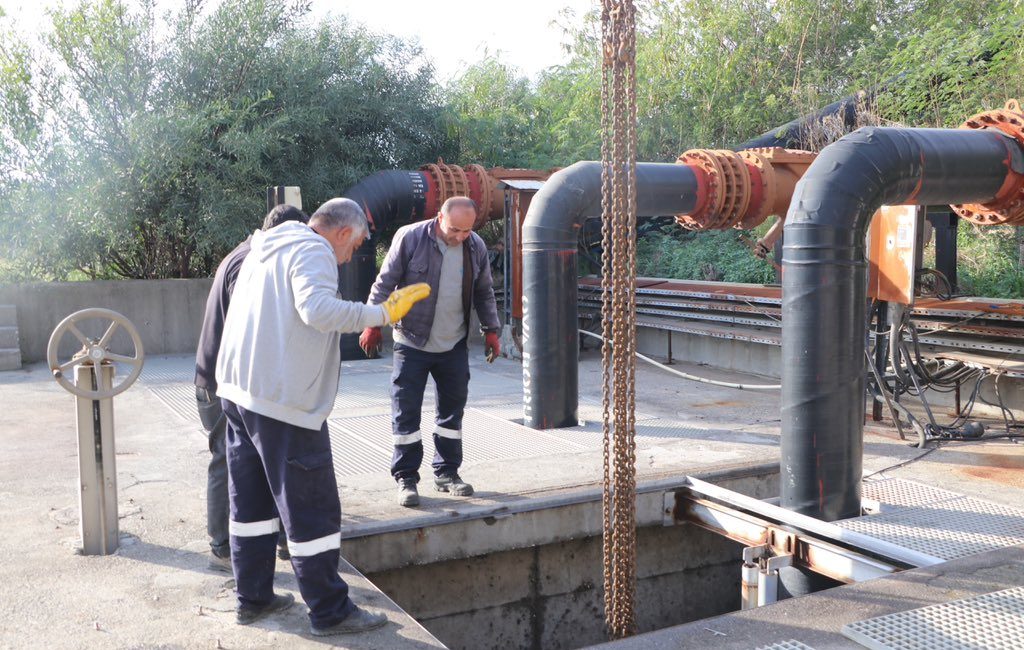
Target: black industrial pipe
(796,134)
(550,233)
(823,296)
(387,197)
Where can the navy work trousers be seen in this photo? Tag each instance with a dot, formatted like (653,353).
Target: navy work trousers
(277,470)
(450,371)
(213,420)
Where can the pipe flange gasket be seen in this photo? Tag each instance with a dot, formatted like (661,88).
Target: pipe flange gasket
(720,219)
(768,190)
(739,192)
(484,203)
(704,162)
(1008,207)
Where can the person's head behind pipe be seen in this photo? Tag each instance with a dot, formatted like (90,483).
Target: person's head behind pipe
(282,214)
(342,223)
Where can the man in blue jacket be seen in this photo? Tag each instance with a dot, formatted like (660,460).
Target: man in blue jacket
(430,340)
(208,403)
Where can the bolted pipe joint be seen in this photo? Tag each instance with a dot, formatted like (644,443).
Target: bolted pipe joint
(741,189)
(1008,205)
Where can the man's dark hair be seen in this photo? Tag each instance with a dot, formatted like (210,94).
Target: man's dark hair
(282,213)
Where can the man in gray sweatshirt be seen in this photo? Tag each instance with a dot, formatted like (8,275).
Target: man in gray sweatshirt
(277,375)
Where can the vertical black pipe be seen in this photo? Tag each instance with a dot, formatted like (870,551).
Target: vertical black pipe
(387,198)
(823,300)
(550,235)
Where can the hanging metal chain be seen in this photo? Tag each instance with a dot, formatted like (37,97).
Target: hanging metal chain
(618,311)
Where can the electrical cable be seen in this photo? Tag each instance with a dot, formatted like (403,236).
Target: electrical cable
(703,380)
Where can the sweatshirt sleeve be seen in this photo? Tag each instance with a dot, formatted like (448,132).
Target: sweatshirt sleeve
(314,280)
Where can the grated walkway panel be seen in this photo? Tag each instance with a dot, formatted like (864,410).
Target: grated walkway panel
(937,522)
(992,621)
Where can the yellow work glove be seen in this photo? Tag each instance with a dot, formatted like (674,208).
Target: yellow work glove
(401,300)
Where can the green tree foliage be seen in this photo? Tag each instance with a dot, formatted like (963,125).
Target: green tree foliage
(135,146)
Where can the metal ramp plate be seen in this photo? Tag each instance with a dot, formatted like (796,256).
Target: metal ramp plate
(937,522)
(992,621)
(791,644)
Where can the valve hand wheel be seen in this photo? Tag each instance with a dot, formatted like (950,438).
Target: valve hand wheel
(94,351)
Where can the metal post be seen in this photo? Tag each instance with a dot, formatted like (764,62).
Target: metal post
(748,586)
(767,587)
(881,356)
(669,361)
(946,224)
(506,280)
(749,575)
(97,473)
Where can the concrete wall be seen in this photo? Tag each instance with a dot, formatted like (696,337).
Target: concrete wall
(729,354)
(766,360)
(167,313)
(552,596)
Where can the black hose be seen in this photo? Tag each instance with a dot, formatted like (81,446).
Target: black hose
(797,134)
(824,289)
(550,321)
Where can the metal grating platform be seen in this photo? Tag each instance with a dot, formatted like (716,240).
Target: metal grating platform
(791,644)
(900,493)
(992,621)
(937,522)
(360,423)
(364,444)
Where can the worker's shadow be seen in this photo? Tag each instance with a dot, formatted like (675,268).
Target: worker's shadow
(135,548)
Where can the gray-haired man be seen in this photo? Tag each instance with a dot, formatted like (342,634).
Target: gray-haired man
(277,374)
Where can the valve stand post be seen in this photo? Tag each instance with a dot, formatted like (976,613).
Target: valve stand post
(94,389)
(97,472)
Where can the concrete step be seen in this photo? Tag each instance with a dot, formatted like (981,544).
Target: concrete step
(8,316)
(10,359)
(8,337)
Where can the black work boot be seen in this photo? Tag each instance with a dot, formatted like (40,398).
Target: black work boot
(247,615)
(453,484)
(407,494)
(359,620)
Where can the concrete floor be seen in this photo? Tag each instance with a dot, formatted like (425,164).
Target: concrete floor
(155,591)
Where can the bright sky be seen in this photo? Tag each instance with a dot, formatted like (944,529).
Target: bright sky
(528,34)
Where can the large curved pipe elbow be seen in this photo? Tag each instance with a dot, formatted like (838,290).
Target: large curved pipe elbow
(550,230)
(824,299)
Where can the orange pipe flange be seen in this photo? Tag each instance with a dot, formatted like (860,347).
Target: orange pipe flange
(1008,205)
(742,189)
(476,182)
(710,177)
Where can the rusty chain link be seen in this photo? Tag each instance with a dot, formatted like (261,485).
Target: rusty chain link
(618,311)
